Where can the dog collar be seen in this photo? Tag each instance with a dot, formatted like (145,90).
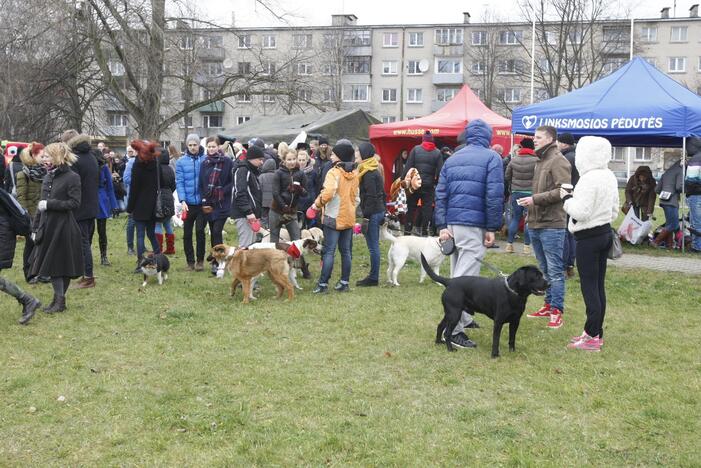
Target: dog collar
(506,283)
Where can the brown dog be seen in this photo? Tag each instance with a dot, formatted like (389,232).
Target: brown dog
(245,265)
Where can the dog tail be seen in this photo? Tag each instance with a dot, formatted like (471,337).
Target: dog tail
(386,235)
(432,274)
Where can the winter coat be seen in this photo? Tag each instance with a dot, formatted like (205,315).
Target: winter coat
(187,176)
(372,193)
(59,252)
(693,170)
(108,202)
(551,171)
(641,194)
(246,196)
(126,177)
(398,167)
(226,180)
(519,172)
(322,169)
(570,157)
(284,200)
(307,199)
(11,172)
(671,181)
(86,167)
(267,172)
(594,201)
(28,193)
(470,189)
(8,241)
(427,159)
(144,189)
(339,196)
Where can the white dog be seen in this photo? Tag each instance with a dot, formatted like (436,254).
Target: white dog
(312,233)
(406,247)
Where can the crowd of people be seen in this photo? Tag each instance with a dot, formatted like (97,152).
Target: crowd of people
(560,193)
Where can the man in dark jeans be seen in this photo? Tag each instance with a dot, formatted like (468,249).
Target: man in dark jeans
(87,168)
(426,159)
(187,176)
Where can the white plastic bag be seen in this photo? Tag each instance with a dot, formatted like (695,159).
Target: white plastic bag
(633,229)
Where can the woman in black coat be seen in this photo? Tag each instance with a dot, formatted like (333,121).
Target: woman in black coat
(58,250)
(142,196)
(372,204)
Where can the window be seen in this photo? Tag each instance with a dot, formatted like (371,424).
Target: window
(449,65)
(479,37)
(186,43)
(510,37)
(677,64)
(413,68)
(389,67)
(329,69)
(186,122)
(648,34)
(268,98)
(358,65)
(544,65)
(643,154)
(244,68)
(304,94)
(304,68)
(212,42)
(620,153)
(356,93)
(477,68)
(414,95)
(615,34)
(116,119)
(678,34)
(575,37)
(446,94)
(389,95)
(243,97)
(550,38)
(214,68)
(331,41)
(302,41)
(116,67)
(416,39)
(509,67)
(269,41)
(388,119)
(449,36)
(330,95)
(512,95)
(245,41)
(242,118)
(358,38)
(651,60)
(267,68)
(390,39)
(612,65)
(212,120)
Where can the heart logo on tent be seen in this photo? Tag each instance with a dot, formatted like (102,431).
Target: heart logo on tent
(528,121)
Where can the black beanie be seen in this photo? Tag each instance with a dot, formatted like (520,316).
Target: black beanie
(527,143)
(254,152)
(345,153)
(366,150)
(323,141)
(566,138)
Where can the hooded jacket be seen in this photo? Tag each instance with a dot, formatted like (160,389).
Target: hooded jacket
(693,171)
(671,181)
(187,177)
(339,196)
(641,193)
(519,172)
(267,173)
(283,179)
(551,171)
(86,167)
(427,159)
(470,189)
(246,195)
(594,201)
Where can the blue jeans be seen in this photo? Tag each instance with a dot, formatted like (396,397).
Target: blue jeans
(143,229)
(694,202)
(372,239)
(671,217)
(130,232)
(166,225)
(344,241)
(517,213)
(548,246)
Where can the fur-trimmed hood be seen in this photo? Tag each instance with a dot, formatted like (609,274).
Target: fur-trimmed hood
(78,140)
(592,153)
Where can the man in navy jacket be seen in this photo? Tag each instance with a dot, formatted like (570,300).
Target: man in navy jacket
(469,207)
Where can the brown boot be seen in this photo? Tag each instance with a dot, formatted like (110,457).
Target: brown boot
(86,283)
(199,266)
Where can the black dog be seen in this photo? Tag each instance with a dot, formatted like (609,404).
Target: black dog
(156,265)
(501,299)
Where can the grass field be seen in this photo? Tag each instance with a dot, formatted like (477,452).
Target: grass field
(181,375)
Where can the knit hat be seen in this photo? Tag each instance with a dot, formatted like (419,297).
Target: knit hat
(566,138)
(366,150)
(344,141)
(345,152)
(427,137)
(192,137)
(257,142)
(323,141)
(254,152)
(527,143)
(302,146)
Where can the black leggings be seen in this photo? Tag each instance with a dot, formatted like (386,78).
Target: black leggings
(60,284)
(592,254)
(216,228)
(102,235)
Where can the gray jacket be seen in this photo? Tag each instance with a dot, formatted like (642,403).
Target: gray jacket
(671,181)
(267,172)
(519,172)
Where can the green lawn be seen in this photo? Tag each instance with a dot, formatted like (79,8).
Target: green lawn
(181,375)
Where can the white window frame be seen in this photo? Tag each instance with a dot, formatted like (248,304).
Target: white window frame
(244,41)
(389,95)
(680,37)
(449,36)
(269,41)
(297,43)
(117,119)
(644,156)
(482,38)
(390,67)
(453,61)
(357,60)
(510,37)
(416,39)
(414,96)
(620,153)
(390,39)
(648,34)
(329,95)
(304,69)
(477,68)
(239,68)
(544,65)
(184,122)
(242,119)
(268,98)
(511,99)
(186,43)
(304,94)
(212,42)
(329,69)
(389,118)
(206,120)
(215,68)
(446,94)
(415,64)
(676,62)
(550,38)
(355,93)
(243,97)
(503,67)
(268,68)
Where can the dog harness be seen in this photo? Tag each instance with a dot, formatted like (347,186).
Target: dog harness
(293,251)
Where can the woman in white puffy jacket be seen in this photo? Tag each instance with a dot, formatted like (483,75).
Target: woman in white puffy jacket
(592,206)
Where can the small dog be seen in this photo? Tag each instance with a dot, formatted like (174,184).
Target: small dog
(405,247)
(501,299)
(295,250)
(246,264)
(156,265)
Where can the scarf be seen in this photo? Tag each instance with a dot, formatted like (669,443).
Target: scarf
(215,191)
(34,173)
(428,145)
(368,165)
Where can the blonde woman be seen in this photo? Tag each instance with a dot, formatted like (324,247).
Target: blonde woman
(28,183)
(58,250)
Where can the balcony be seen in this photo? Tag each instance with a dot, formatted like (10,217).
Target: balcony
(216,106)
(448,50)
(448,78)
(213,54)
(111,131)
(359,51)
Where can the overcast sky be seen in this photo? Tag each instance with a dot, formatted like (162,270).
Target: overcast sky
(318,12)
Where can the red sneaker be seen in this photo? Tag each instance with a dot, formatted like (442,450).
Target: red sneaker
(555,319)
(542,312)
(587,343)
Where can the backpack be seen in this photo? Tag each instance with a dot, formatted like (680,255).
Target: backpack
(20,221)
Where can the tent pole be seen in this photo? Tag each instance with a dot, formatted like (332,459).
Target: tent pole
(683,187)
(628,163)
(532,56)
(631,38)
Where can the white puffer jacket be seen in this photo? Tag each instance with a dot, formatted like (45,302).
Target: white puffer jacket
(595,199)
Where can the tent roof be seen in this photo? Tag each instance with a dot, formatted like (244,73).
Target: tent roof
(637,105)
(351,123)
(450,120)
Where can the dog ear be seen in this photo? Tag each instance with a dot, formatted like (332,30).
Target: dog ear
(210,258)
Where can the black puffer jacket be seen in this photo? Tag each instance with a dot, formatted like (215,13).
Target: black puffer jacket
(87,168)
(14,168)
(7,241)
(283,201)
(372,193)
(569,155)
(427,159)
(246,196)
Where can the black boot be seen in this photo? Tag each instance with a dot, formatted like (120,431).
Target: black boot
(58,306)
(306,274)
(51,305)
(30,305)
(104,261)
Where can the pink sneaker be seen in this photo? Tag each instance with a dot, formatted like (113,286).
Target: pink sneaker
(555,319)
(542,312)
(587,343)
(575,339)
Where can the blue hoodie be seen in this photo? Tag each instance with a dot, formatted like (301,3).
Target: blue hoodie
(470,189)
(187,177)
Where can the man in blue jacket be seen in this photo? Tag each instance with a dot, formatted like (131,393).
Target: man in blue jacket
(187,177)
(469,208)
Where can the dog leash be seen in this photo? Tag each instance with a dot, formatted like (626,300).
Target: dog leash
(500,273)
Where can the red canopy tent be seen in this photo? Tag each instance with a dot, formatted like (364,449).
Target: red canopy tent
(445,124)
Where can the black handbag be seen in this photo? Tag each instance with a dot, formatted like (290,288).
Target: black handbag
(165,204)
